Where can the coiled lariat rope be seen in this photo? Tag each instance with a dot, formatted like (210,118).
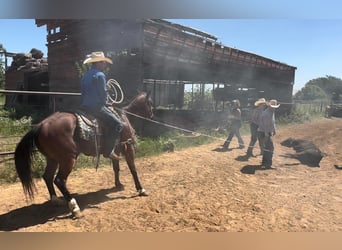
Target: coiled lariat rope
(114,90)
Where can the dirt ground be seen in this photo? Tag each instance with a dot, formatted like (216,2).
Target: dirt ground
(198,189)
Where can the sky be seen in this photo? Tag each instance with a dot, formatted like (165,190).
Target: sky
(313,46)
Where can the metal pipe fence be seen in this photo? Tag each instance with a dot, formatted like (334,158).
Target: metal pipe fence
(8,142)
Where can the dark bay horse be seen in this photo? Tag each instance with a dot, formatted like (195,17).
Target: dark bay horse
(56,138)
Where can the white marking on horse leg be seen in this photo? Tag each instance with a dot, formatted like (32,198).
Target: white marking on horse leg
(74,208)
(142,192)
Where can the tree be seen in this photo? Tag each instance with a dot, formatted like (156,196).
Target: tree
(330,86)
(2,67)
(310,93)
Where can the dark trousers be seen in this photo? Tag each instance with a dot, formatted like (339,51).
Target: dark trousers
(268,149)
(254,137)
(234,130)
(114,128)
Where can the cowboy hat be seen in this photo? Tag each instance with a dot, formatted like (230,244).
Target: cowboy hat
(273,104)
(260,101)
(97,56)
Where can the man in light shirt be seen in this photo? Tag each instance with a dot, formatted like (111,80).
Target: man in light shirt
(266,130)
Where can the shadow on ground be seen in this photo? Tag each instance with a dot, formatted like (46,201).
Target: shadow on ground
(41,213)
(251,169)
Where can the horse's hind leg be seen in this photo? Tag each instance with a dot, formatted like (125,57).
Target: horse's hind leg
(50,170)
(65,168)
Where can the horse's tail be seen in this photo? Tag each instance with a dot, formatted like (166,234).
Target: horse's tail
(23,156)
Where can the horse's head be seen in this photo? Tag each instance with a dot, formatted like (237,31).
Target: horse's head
(142,105)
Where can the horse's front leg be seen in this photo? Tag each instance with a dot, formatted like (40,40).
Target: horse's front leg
(129,156)
(116,168)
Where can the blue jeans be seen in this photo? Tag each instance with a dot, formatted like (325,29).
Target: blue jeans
(234,131)
(115,126)
(268,149)
(254,138)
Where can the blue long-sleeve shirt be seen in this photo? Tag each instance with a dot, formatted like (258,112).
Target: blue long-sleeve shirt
(93,89)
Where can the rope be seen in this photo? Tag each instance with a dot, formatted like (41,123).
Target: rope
(181,129)
(114,91)
(170,126)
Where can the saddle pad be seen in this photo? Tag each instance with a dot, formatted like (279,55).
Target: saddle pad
(86,128)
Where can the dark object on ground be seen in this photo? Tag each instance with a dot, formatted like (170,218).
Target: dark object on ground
(339,167)
(334,110)
(306,151)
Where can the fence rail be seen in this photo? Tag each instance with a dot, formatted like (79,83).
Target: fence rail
(52,95)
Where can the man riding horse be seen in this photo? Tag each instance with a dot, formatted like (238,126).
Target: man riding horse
(94,100)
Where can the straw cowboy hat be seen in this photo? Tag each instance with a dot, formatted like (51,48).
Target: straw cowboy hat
(260,101)
(273,104)
(97,56)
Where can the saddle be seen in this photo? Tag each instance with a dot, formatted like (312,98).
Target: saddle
(92,130)
(88,127)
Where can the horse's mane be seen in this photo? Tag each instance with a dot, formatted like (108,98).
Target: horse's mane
(135,101)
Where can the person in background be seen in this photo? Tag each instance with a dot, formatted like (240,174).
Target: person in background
(266,130)
(260,106)
(94,100)
(235,123)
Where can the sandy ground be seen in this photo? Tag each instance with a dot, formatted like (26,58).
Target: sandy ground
(198,189)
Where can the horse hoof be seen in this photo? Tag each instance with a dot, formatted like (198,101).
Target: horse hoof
(75,209)
(142,192)
(76,214)
(119,188)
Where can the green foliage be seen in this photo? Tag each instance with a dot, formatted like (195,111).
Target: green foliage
(38,165)
(2,77)
(8,173)
(36,114)
(311,92)
(300,113)
(13,127)
(2,73)
(314,89)
(198,99)
(81,68)
(152,146)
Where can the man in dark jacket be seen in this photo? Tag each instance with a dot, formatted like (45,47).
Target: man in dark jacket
(235,123)
(260,106)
